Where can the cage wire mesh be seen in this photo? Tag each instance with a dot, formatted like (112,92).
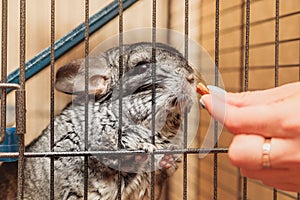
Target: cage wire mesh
(254,44)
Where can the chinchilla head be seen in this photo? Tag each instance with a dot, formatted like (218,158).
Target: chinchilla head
(168,83)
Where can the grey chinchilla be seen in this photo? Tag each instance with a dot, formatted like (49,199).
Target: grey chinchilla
(174,90)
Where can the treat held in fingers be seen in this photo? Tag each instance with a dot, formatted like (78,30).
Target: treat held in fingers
(202,89)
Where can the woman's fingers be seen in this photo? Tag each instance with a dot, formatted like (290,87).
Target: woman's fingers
(260,119)
(279,119)
(255,116)
(263,96)
(246,151)
(270,113)
(276,119)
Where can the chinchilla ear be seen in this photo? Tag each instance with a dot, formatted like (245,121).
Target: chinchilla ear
(70,78)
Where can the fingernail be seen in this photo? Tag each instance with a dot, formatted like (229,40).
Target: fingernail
(202,104)
(216,90)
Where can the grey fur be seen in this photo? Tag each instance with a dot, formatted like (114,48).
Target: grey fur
(174,90)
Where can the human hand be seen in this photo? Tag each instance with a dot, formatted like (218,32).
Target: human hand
(254,116)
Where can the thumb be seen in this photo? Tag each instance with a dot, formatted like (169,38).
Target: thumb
(215,103)
(214,106)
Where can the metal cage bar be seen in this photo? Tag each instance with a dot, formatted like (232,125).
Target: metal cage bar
(276,44)
(86,94)
(217,34)
(153,102)
(52,103)
(121,70)
(185,128)
(105,153)
(276,66)
(246,75)
(3,67)
(20,109)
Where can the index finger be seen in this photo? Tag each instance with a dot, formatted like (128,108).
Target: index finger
(264,120)
(263,96)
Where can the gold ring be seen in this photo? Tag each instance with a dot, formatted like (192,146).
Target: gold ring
(266,148)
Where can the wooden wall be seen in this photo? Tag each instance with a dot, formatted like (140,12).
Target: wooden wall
(170,14)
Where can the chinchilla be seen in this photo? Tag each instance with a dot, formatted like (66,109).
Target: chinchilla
(166,86)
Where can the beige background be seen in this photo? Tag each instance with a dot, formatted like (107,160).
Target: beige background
(170,14)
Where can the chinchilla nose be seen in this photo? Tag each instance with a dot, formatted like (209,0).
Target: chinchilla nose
(190,78)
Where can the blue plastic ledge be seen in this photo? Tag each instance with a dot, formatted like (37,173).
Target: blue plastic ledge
(67,42)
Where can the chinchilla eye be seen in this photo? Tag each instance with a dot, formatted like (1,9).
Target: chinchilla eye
(142,63)
(142,68)
(139,69)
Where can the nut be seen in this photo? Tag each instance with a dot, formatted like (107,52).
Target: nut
(202,89)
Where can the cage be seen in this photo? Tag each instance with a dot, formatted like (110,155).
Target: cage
(254,44)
